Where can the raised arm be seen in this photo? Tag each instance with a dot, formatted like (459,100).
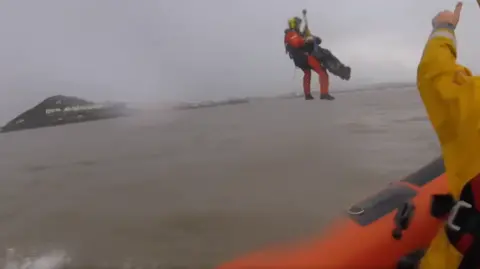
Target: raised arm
(445,86)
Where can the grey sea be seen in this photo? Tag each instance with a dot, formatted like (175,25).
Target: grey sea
(195,188)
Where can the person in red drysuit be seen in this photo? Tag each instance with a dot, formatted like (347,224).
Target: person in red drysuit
(300,48)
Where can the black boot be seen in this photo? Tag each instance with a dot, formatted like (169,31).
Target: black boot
(308,97)
(327,96)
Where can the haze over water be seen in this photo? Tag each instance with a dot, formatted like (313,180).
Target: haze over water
(193,188)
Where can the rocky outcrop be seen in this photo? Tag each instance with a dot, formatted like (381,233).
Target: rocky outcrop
(59,109)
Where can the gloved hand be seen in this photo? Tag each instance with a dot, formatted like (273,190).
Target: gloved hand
(309,39)
(448,17)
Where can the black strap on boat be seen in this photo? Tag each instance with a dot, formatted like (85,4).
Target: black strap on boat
(462,221)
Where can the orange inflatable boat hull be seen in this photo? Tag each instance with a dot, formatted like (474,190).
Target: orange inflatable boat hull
(363,239)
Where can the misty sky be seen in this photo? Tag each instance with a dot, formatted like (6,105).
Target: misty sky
(159,50)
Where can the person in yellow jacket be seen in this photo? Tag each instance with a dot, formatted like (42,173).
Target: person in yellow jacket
(451,96)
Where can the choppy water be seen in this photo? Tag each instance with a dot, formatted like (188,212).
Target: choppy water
(191,189)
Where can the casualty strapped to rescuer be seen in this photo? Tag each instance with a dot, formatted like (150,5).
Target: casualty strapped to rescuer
(451,96)
(307,54)
(300,48)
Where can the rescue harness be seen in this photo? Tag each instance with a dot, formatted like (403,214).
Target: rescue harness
(462,221)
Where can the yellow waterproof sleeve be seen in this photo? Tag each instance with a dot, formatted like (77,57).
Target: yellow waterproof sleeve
(444,85)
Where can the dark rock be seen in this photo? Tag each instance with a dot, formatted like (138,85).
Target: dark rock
(59,109)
